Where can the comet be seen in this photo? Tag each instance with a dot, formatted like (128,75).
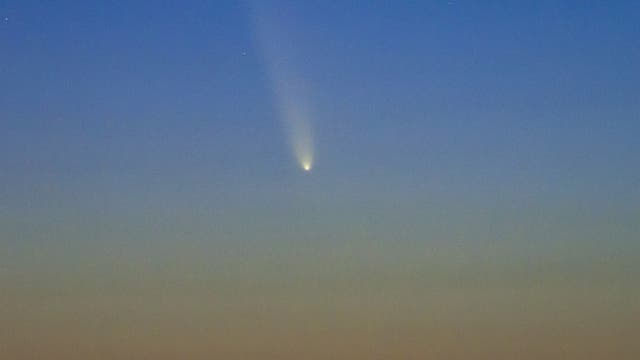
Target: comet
(289,86)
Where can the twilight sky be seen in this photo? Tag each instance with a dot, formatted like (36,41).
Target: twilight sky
(475,190)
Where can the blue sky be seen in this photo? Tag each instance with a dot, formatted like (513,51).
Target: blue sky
(544,90)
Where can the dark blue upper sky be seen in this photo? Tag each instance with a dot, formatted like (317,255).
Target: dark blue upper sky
(464,96)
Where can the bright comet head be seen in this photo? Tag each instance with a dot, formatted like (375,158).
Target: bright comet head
(306,166)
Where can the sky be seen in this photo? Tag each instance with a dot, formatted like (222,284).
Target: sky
(473,191)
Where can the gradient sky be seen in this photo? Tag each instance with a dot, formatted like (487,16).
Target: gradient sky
(475,191)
